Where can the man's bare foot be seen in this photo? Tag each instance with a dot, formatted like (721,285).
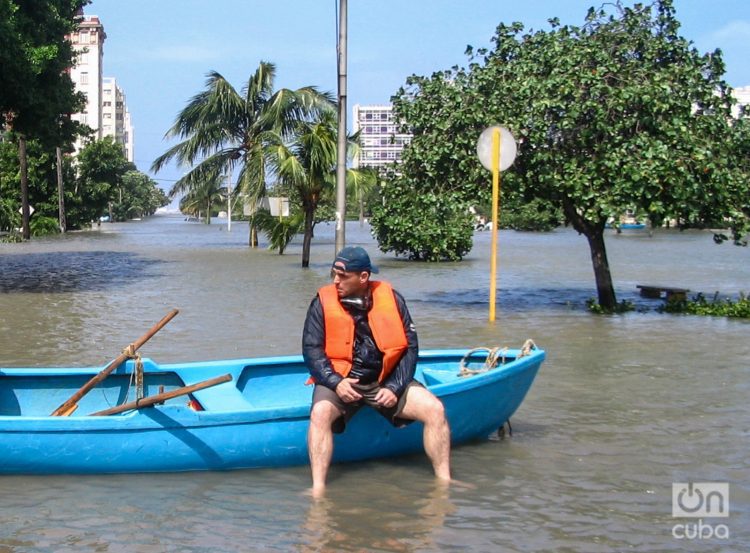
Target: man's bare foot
(316,492)
(454,483)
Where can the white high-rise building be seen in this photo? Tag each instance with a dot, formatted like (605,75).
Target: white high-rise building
(742,95)
(88,43)
(116,120)
(380,142)
(106,111)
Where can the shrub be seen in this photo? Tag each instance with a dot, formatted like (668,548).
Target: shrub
(716,307)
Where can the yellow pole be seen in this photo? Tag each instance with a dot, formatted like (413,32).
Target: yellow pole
(495,199)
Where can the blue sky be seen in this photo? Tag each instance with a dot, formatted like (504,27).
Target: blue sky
(161,50)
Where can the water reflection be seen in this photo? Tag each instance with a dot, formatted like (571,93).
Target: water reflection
(394,519)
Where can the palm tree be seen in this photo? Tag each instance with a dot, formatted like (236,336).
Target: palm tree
(361,184)
(308,164)
(222,129)
(202,197)
(280,230)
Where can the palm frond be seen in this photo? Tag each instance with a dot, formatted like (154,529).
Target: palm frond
(259,87)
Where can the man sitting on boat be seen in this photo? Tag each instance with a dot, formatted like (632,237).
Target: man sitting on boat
(360,346)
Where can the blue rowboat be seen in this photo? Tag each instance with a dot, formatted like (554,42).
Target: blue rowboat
(242,413)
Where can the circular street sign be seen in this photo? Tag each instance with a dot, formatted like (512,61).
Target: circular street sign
(507,148)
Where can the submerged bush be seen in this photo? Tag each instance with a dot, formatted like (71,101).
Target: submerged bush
(42,226)
(717,307)
(622,307)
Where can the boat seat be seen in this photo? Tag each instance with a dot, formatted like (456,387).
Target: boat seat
(433,377)
(224,397)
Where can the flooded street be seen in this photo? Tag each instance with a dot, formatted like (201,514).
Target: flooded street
(624,406)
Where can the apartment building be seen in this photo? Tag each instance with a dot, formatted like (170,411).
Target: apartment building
(88,43)
(380,142)
(106,111)
(116,120)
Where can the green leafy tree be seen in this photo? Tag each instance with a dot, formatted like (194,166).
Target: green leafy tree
(137,195)
(620,113)
(424,225)
(101,168)
(222,129)
(41,173)
(37,92)
(424,212)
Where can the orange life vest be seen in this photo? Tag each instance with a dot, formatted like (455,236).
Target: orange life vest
(385,323)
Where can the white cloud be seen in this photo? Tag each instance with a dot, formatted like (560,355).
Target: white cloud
(733,32)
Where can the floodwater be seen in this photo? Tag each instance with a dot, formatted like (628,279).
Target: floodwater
(624,407)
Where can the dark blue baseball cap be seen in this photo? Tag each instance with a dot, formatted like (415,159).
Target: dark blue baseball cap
(353,259)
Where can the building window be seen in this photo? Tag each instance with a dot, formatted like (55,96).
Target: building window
(84,77)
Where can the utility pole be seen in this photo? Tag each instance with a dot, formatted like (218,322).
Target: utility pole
(341,151)
(229,202)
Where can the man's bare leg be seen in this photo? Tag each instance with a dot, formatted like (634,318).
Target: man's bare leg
(423,406)
(320,443)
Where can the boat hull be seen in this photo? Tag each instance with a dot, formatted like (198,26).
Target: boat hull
(258,419)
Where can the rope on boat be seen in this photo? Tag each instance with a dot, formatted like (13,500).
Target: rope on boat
(493,356)
(526,348)
(137,374)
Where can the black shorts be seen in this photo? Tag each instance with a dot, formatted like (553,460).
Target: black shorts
(368,391)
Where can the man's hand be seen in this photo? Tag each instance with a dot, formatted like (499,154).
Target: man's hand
(386,397)
(346,392)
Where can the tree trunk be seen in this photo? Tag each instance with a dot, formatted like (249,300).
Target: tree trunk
(25,211)
(60,193)
(361,211)
(208,212)
(604,288)
(307,239)
(594,233)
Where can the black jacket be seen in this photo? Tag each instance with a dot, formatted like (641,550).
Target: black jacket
(320,367)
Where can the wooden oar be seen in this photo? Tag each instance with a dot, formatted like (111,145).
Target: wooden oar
(69,406)
(158,398)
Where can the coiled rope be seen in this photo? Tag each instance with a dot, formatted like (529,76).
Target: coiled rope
(494,355)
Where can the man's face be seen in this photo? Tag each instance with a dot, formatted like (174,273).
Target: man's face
(350,283)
